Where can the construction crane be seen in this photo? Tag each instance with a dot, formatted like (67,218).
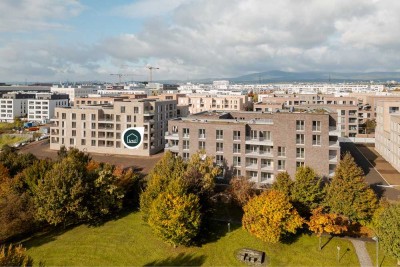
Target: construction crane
(120,75)
(151,71)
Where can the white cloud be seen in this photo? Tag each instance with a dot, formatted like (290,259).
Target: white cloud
(147,8)
(30,15)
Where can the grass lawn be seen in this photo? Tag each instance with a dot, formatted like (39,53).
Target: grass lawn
(10,140)
(384,259)
(128,241)
(6,126)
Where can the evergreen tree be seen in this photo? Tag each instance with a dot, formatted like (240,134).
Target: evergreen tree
(348,193)
(283,183)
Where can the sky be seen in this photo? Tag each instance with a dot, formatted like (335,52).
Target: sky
(87,40)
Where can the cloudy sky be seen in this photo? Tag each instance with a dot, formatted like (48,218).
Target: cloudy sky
(75,40)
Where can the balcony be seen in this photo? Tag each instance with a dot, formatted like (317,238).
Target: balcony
(258,141)
(171,136)
(334,144)
(334,131)
(267,167)
(333,158)
(251,166)
(202,136)
(172,148)
(148,112)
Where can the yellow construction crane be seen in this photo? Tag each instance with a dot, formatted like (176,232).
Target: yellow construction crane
(120,75)
(151,72)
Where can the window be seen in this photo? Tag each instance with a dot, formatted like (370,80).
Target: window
(74,116)
(219,159)
(236,172)
(299,125)
(93,134)
(265,135)
(71,141)
(202,133)
(281,165)
(122,109)
(253,134)
(220,134)
(128,118)
(185,156)
(299,139)
(135,110)
(266,163)
(265,150)
(63,116)
(236,148)
(93,125)
(93,117)
(185,144)
(316,126)
(236,135)
(251,161)
(393,109)
(343,112)
(93,143)
(73,132)
(202,145)
(186,132)
(219,147)
(265,176)
(83,117)
(300,152)
(316,140)
(74,124)
(299,164)
(236,161)
(83,142)
(281,151)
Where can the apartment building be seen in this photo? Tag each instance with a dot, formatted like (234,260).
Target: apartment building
(259,145)
(387,138)
(200,103)
(14,104)
(100,128)
(73,92)
(41,108)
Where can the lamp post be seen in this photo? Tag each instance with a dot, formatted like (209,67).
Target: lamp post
(376,239)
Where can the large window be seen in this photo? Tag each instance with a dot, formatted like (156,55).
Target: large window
(220,134)
(300,152)
(185,144)
(219,147)
(265,135)
(202,133)
(202,145)
(186,132)
(236,148)
(236,135)
(281,151)
(316,140)
(300,125)
(281,165)
(316,126)
(299,139)
(237,161)
(219,159)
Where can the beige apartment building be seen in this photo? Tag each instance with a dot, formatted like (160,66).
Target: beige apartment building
(387,139)
(98,128)
(200,103)
(259,145)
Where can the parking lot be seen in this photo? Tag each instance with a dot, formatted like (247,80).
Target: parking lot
(41,149)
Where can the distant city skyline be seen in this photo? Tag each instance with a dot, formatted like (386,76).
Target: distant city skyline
(59,40)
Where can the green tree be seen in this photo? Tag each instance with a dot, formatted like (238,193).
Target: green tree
(169,168)
(14,256)
(15,162)
(283,183)
(270,216)
(18,123)
(176,218)
(389,230)
(60,196)
(348,193)
(329,223)
(307,191)
(242,190)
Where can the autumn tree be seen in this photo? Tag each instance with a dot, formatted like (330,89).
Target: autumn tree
(348,193)
(241,190)
(175,217)
(283,183)
(307,191)
(270,216)
(14,256)
(389,230)
(166,170)
(14,161)
(328,223)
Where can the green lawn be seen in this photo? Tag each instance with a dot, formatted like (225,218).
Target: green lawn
(10,140)
(128,241)
(384,260)
(6,126)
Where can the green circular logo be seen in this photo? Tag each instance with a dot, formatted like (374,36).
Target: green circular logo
(131,138)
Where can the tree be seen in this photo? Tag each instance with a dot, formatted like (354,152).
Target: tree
(176,218)
(60,196)
(14,256)
(348,193)
(241,190)
(18,123)
(329,223)
(370,126)
(307,190)
(389,230)
(270,216)
(167,169)
(283,183)
(15,162)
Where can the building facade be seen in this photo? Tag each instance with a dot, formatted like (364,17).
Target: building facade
(98,128)
(259,145)
(41,109)
(14,105)
(387,139)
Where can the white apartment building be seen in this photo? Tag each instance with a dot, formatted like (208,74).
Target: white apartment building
(387,135)
(79,91)
(41,108)
(14,105)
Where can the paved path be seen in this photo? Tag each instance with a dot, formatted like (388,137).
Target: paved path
(362,253)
